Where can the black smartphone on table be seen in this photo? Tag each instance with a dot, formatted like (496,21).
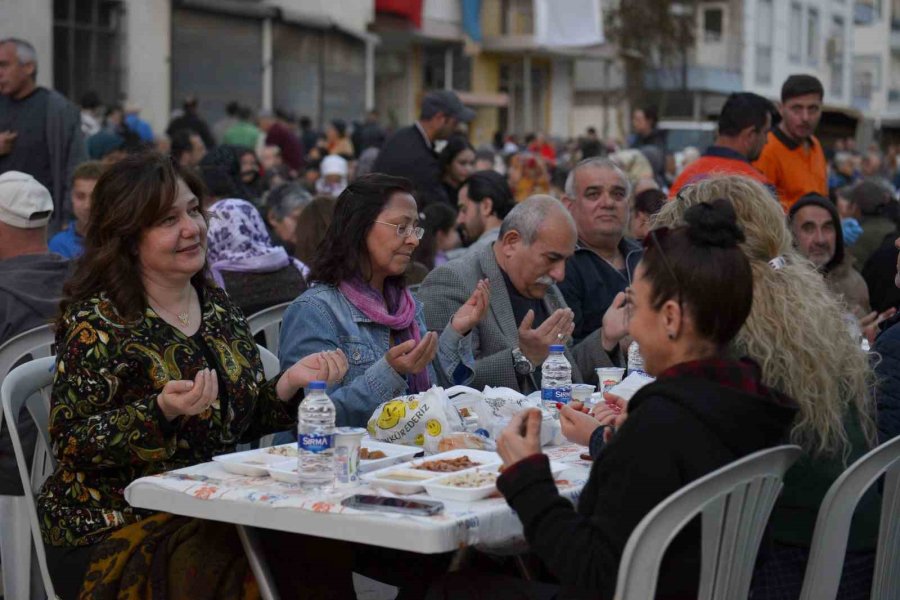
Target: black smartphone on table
(396,505)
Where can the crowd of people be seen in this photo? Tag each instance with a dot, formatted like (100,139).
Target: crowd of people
(759,279)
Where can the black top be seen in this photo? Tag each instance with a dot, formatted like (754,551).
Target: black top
(521,304)
(253,292)
(678,429)
(591,284)
(407,154)
(30,153)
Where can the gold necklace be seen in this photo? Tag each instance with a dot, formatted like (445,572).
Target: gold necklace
(183,317)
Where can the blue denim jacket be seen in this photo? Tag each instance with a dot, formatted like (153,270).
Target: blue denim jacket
(323,319)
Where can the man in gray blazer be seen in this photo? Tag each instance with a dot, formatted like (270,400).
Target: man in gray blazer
(527,312)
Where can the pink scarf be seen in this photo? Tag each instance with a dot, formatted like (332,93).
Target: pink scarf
(400,317)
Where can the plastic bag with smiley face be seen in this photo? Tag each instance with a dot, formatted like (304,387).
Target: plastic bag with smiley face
(416,420)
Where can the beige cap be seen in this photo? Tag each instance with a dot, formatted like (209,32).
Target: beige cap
(24,202)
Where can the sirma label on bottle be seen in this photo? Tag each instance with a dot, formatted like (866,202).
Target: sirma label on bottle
(315,443)
(561,394)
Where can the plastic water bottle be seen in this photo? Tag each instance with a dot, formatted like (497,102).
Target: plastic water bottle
(556,378)
(315,440)
(635,360)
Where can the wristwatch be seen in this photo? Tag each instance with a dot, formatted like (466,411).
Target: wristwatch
(521,363)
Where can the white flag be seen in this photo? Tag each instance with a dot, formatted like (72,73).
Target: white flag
(568,23)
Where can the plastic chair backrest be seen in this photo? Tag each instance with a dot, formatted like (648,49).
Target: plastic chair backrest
(271,366)
(735,501)
(35,342)
(269,322)
(829,542)
(28,386)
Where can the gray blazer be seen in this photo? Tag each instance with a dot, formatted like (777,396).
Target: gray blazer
(450,285)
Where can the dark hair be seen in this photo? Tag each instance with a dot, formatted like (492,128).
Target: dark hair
(342,255)
(649,202)
(493,185)
(305,122)
(456,144)
(232,108)
(218,181)
(591,130)
(651,113)
(687,262)
(437,217)
(90,100)
(91,169)
(743,110)
(129,198)
(801,85)
(312,224)
(181,142)
(340,126)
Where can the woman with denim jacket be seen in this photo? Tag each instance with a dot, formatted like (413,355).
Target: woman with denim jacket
(359,303)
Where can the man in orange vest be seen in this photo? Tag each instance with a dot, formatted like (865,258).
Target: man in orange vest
(792,158)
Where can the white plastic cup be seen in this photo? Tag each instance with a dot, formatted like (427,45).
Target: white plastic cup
(608,377)
(347,441)
(582,392)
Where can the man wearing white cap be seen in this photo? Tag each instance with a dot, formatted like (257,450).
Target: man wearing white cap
(31,278)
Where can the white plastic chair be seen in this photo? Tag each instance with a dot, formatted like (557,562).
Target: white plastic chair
(269,322)
(15,537)
(735,502)
(271,365)
(29,386)
(829,543)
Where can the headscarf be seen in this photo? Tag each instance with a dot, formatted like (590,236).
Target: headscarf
(238,241)
(332,165)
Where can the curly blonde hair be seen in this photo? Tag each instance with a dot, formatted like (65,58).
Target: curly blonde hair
(795,330)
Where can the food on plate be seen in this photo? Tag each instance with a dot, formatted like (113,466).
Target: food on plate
(448,465)
(464,412)
(289,450)
(405,476)
(473,479)
(366,454)
(461,440)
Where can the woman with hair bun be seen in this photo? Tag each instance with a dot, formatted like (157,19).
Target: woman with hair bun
(796,333)
(702,412)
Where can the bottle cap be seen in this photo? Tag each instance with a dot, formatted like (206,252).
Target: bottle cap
(557,348)
(317,385)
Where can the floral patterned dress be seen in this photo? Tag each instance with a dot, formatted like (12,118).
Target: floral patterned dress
(106,428)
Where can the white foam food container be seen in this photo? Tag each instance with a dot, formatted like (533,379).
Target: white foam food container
(252,463)
(399,479)
(285,471)
(407,479)
(396,453)
(443,487)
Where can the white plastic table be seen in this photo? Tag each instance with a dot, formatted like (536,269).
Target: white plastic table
(207,491)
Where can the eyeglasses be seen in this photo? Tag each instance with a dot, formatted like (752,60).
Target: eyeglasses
(406,230)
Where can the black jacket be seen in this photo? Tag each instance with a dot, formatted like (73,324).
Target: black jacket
(406,154)
(678,429)
(591,284)
(887,370)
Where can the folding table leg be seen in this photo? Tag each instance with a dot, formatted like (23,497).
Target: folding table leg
(257,558)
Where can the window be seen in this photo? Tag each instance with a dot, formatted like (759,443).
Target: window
(87,42)
(795,35)
(518,17)
(812,37)
(764,27)
(835,50)
(434,63)
(866,79)
(713,24)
